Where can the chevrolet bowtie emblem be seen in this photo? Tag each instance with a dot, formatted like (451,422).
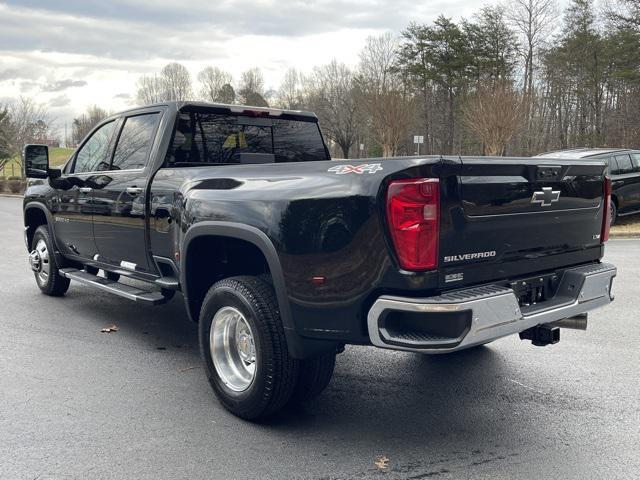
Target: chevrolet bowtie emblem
(546,197)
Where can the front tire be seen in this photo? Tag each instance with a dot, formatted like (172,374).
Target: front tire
(244,349)
(43,263)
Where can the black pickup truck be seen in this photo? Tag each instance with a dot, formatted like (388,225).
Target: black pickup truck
(283,256)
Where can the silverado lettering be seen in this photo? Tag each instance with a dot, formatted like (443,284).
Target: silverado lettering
(469,256)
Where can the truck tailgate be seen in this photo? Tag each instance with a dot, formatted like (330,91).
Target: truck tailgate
(512,217)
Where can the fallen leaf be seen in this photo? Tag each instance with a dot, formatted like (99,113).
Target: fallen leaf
(110,329)
(382,463)
(186,369)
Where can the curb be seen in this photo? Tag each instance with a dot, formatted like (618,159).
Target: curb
(625,236)
(11,195)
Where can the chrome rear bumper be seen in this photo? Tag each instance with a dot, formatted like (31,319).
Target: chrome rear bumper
(492,311)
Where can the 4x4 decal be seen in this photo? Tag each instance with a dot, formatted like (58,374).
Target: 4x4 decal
(365,168)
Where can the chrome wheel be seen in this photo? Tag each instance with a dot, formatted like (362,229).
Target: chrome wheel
(39,262)
(233,349)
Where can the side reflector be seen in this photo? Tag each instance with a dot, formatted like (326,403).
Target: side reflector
(413,213)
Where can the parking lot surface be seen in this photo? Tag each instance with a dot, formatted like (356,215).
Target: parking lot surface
(78,403)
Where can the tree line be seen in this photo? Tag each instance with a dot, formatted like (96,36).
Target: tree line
(514,79)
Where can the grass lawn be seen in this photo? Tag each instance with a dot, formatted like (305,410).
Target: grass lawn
(626,226)
(57,156)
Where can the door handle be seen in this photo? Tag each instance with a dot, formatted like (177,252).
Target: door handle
(133,191)
(85,189)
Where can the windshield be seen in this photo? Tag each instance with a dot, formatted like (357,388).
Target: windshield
(213,138)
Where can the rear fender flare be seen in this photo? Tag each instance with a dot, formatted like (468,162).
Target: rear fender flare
(249,234)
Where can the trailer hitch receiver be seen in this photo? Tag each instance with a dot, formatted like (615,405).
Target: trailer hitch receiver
(541,335)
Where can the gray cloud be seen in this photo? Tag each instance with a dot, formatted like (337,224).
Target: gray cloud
(61,85)
(28,85)
(123,96)
(9,74)
(103,37)
(61,101)
(188,29)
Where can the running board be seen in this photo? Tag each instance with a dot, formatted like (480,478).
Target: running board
(626,214)
(116,288)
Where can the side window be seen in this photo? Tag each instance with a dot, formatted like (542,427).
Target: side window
(635,158)
(613,166)
(624,164)
(134,143)
(92,156)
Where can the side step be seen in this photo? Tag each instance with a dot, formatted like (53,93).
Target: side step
(117,288)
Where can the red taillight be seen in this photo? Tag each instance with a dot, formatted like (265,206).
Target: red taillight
(413,212)
(606,223)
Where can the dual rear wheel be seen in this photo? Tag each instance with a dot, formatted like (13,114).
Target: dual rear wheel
(244,348)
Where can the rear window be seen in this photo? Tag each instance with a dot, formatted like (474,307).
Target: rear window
(635,157)
(212,138)
(624,164)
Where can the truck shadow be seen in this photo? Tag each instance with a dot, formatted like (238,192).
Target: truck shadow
(376,399)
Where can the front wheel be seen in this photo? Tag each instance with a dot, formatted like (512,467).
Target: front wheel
(243,346)
(43,263)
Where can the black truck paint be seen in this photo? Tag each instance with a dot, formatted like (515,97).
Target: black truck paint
(319,228)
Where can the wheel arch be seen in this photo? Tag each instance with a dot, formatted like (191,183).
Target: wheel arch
(35,215)
(233,232)
(298,346)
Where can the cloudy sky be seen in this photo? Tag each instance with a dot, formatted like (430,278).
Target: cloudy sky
(73,53)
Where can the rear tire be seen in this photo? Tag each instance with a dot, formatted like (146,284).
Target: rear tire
(44,265)
(315,375)
(244,349)
(613,211)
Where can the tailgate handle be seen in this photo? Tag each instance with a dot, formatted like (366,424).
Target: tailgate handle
(548,173)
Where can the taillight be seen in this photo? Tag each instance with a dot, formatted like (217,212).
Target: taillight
(413,211)
(606,223)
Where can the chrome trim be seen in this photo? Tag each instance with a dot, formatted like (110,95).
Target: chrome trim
(495,309)
(233,349)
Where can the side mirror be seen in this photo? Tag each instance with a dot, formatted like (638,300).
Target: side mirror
(36,161)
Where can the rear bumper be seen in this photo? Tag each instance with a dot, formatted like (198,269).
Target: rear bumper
(469,317)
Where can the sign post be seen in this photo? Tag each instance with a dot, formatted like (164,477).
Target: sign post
(418,139)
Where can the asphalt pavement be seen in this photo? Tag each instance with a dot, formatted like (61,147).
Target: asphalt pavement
(135,404)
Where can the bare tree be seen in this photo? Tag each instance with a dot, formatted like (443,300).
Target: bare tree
(150,89)
(534,20)
(212,84)
(176,82)
(30,123)
(172,84)
(625,13)
(331,95)
(252,88)
(289,94)
(384,94)
(495,113)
